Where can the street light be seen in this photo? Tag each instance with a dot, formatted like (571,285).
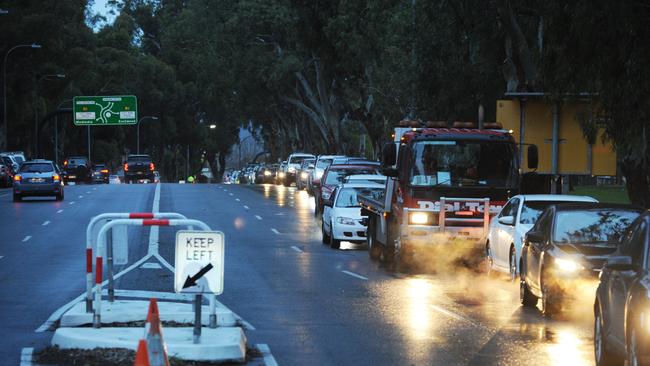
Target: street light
(4,90)
(141,119)
(58,76)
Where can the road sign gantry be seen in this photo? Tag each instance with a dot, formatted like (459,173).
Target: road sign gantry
(105,110)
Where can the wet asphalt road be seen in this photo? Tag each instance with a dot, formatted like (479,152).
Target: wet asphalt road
(309,303)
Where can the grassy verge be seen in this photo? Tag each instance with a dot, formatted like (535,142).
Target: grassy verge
(606,194)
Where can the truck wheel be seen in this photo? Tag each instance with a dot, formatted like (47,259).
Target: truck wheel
(374,250)
(334,243)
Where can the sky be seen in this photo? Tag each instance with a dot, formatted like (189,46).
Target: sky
(100,6)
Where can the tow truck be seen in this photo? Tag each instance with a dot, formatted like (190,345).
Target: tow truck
(444,185)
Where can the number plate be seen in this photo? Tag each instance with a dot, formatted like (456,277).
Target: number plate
(37,180)
(72,176)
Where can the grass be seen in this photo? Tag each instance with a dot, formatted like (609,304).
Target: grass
(605,194)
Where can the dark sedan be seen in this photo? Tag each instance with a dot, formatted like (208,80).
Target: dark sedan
(100,173)
(622,306)
(38,178)
(568,244)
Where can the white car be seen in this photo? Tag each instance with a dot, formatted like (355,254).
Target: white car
(365,179)
(342,220)
(322,162)
(507,230)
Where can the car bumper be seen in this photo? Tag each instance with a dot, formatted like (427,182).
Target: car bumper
(35,189)
(355,233)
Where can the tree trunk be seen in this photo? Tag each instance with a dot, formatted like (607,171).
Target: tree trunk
(637,179)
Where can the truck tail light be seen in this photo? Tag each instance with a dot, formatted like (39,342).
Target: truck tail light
(151,167)
(126,167)
(17,178)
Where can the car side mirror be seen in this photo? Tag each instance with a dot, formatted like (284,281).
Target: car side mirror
(389,154)
(533,157)
(507,220)
(619,263)
(534,237)
(390,172)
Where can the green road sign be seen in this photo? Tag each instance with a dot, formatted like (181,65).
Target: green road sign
(105,110)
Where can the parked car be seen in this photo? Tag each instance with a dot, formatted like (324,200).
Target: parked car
(322,162)
(342,220)
(38,178)
(114,179)
(138,168)
(568,244)
(268,173)
(77,169)
(11,160)
(100,173)
(302,175)
(292,166)
(333,176)
(506,234)
(6,176)
(621,308)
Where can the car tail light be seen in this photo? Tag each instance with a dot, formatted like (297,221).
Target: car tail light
(151,167)
(17,178)
(104,170)
(126,167)
(65,163)
(56,177)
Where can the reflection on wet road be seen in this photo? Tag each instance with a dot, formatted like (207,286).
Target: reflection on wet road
(456,317)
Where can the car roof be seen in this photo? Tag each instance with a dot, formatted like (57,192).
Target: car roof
(351,166)
(366,176)
(595,206)
(361,185)
(137,155)
(330,156)
(557,197)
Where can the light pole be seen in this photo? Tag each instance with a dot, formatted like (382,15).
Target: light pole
(4,91)
(141,119)
(239,145)
(59,76)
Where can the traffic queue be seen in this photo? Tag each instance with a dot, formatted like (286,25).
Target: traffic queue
(439,189)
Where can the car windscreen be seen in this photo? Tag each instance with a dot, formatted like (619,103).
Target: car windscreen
(77,162)
(531,210)
(36,168)
(348,196)
(19,159)
(592,226)
(144,159)
(298,159)
(336,176)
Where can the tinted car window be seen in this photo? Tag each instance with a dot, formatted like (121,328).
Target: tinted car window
(297,159)
(36,168)
(142,158)
(592,226)
(510,209)
(335,176)
(531,210)
(77,162)
(323,163)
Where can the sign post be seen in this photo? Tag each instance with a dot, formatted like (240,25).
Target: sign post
(105,110)
(199,267)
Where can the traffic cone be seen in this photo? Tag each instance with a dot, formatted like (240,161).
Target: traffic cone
(156,347)
(153,309)
(142,356)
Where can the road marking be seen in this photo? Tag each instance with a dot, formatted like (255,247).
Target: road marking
(453,315)
(2,195)
(81,196)
(88,192)
(237,199)
(2,256)
(45,223)
(296,249)
(72,203)
(269,360)
(26,238)
(151,265)
(59,211)
(246,207)
(26,356)
(355,275)
(279,214)
(94,189)
(258,217)
(230,194)
(155,230)
(275,231)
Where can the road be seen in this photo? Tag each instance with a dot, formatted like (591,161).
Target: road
(311,304)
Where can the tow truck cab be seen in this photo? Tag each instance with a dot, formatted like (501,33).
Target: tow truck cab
(444,184)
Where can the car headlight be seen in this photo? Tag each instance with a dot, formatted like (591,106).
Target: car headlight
(319,174)
(567,265)
(345,220)
(281,175)
(267,173)
(326,195)
(304,175)
(420,218)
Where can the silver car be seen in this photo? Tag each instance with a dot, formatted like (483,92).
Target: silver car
(38,178)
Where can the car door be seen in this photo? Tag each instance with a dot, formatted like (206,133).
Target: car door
(505,233)
(621,281)
(535,248)
(327,212)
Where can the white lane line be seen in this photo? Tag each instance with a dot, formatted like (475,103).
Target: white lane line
(2,195)
(72,203)
(246,207)
(296,249)
(151,265)
(88,192)
(275,231)
(155,230)
(453,315)
(81,196)
(355,275)
(230,194)
(59,211)
(27,238)
(237,199)
(258,217)
(94,189)
(269,360)
(26,356)
(45,223)
(2,256)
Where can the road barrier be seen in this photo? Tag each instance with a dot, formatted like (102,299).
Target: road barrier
(101,242)
(89,244)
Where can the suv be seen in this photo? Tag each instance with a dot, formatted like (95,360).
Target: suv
(293,165)
(100,173)
(77,169)
(38,178)
(137,168)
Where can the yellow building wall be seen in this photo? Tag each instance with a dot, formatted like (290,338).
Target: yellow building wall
(572,148)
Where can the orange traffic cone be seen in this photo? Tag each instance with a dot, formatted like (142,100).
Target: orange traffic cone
(153,309)
(155,344)
(142,356)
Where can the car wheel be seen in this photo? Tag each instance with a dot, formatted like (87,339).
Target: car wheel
(513,265)
(17,198)
(550,298)
(374,250)
(59,196)
(326,238)
(334,243)
(525,296)
(631,346)
(603,356)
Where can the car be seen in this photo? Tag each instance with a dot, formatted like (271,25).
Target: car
(333,176)
(6,176)
(342,220)
(100,173)
(156,176)
(622,304)
(77,169)
(292,166)
(322,162)
(38,178)
(269,172)
(506,233)
(354,160)
(279,177)
(366,179)
(114,179)
(302,175)
(11,160)
(138,168)
(569,244)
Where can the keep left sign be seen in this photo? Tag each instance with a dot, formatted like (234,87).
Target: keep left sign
(199,262)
